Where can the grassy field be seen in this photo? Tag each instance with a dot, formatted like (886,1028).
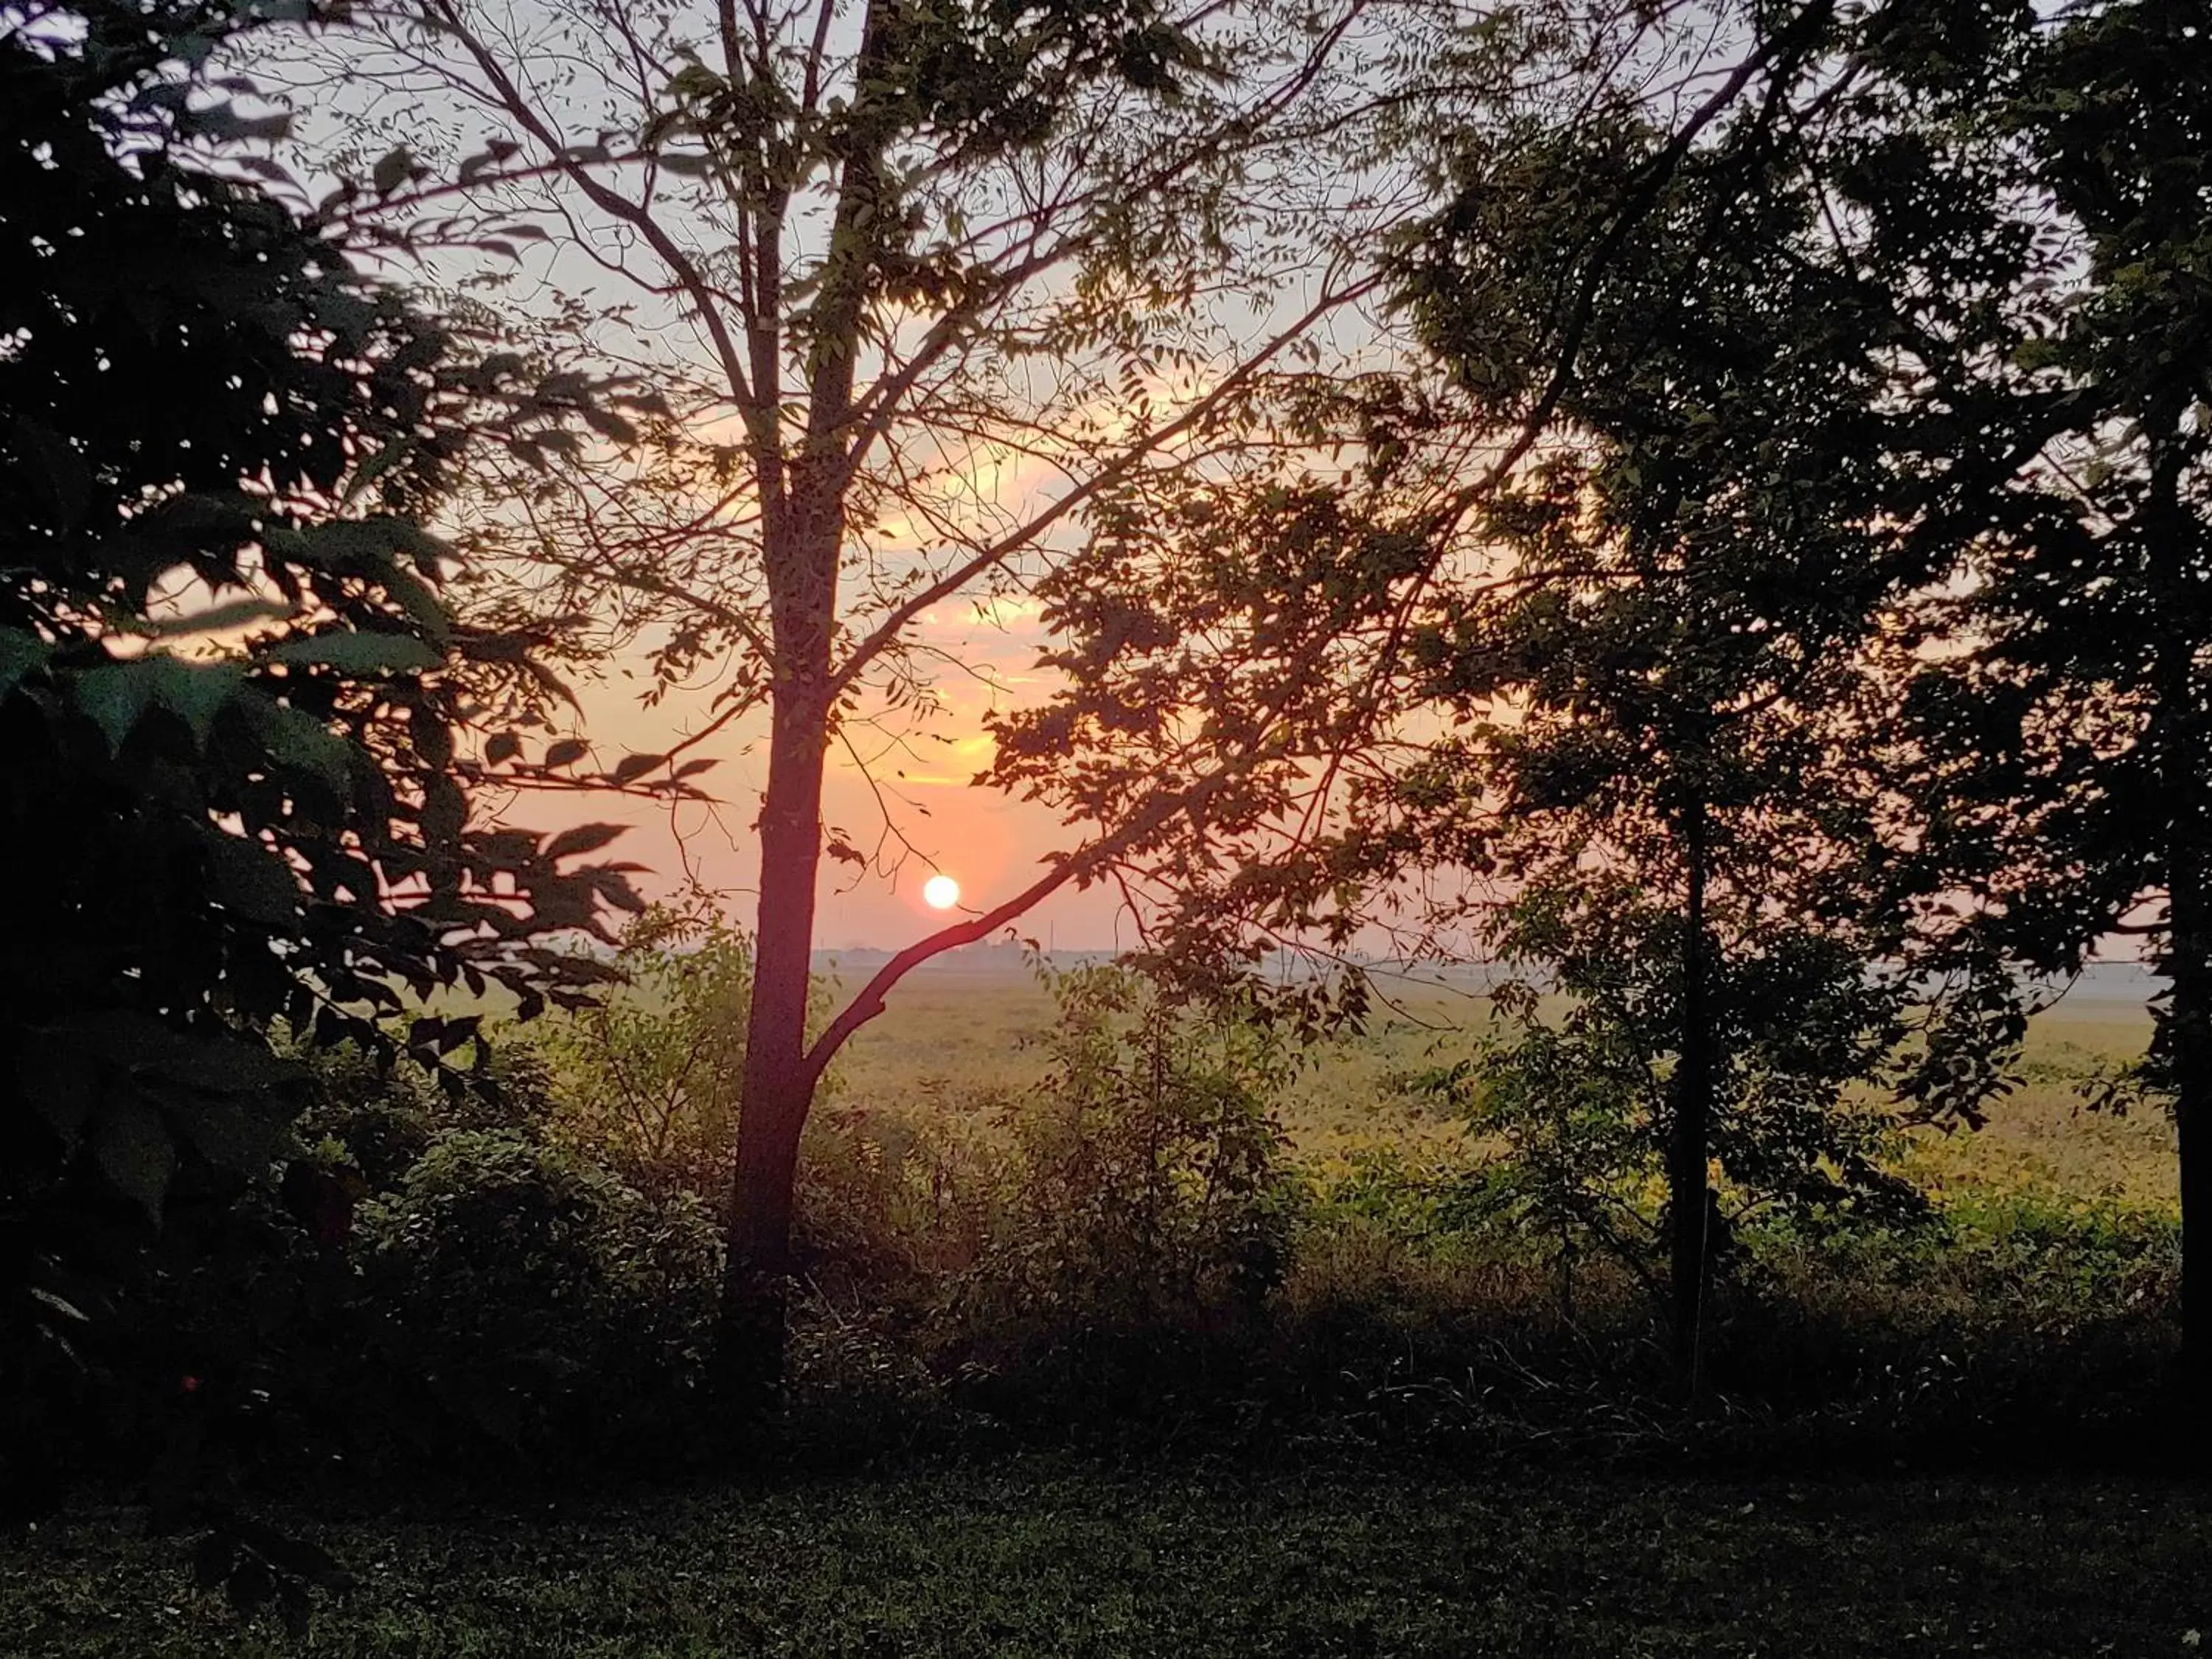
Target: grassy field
(1055,1560)
(956,1034)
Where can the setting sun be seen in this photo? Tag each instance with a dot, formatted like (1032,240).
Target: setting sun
(940,892)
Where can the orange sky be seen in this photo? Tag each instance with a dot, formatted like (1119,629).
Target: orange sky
(990,844)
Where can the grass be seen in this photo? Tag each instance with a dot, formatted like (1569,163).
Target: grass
(1046,1557)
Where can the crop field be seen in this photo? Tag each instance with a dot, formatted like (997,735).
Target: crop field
(959,1035)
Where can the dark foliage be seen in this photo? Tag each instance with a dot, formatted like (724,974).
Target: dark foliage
(232,704)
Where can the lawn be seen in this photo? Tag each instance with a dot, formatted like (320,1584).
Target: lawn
(1051,1559)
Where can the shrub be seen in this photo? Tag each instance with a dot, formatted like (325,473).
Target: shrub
(648,1079)
(526,1296)
(1146,1176)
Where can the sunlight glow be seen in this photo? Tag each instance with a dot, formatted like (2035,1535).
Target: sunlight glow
(940,892)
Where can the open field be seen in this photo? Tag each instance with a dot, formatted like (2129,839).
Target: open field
(956,1034)
(1055,1560)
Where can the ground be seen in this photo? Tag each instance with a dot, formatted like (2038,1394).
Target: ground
(1028,1556)
(1060,1560)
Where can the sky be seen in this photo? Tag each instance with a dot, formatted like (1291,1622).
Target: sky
(992,844)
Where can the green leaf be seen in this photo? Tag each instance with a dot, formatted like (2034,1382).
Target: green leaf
(302,743)
(112,697)
(355,653)
(253,880)
(135,1151)
(378,465)
(195,693)
(21,654)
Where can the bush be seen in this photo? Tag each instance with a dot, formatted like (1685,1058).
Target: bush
(526,1298)
(1146,1180)
(648,1079)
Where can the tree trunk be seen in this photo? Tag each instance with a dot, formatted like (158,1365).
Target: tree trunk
(1686,1150)
(2189,1050)
(779,1084)
(778,1088)
(2187,965)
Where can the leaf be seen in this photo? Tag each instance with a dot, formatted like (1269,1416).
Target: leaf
(503,746)
(300,742)
(635,766)
(392,170)
(59,1306)
(356,652)
(135,1151)
(584,838)
(692,769)
(112,697)
(567,753)
(21,654)
(378,465)
(608,425)
(445,812)
(195,693)
(253,880)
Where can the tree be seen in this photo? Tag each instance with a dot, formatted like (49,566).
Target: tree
(2064,743)
(1672,753)
(874,258)
(1630,678)
(228,689)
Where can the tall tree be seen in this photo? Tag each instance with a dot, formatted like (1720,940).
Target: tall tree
(920,284)
(228,689)
(1675,673)
(2066,739)
(1654,635)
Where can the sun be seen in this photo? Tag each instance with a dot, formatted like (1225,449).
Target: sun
(940,892)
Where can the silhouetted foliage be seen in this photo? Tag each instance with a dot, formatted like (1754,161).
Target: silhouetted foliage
(232,704)
(2065,744)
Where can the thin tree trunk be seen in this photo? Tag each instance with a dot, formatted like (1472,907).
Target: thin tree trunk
(803,531)
(1687,1152)
(2189,927)
(2190,1040)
